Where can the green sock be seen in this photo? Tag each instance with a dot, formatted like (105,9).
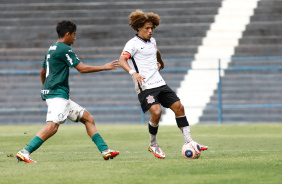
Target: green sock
(35,143)
(100,143)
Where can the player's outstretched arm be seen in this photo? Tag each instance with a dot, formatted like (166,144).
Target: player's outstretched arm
(83,68)
(160,60)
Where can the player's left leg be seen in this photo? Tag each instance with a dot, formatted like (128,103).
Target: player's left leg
(88,120)
(182,122)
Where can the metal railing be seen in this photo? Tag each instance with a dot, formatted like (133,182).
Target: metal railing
(220,106)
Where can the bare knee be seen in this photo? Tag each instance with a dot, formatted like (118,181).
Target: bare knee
(52,128)
(87,118)
(48,131)
(156,112)
(91,120)
(178,109)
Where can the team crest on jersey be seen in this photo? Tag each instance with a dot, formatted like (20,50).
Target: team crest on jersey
(61,117)
(150,99)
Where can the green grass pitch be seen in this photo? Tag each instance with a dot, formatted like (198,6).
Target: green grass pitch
(241,153)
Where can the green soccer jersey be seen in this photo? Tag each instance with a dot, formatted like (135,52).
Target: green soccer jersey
(59,58)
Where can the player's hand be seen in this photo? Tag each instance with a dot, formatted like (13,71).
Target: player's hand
(139,78)
(112,65)
(161,66)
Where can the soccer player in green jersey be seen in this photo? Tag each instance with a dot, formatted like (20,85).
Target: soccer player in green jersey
(54,76)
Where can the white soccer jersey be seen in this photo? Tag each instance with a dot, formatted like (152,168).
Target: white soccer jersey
(144,61)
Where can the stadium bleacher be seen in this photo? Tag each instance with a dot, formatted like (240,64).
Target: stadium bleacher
(259,90)
(28,29)
(102,33)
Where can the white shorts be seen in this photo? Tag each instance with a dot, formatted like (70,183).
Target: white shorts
(59,109)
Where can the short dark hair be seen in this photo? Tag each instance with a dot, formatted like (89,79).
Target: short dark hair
(65,26)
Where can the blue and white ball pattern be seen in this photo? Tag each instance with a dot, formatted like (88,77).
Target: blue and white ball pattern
(191,150)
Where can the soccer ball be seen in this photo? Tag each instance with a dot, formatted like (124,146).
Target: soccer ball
(191,150)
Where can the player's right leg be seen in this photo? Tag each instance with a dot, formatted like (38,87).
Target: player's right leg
(23,155)
(156,150)
(57,114)
(48,131)
(153,125)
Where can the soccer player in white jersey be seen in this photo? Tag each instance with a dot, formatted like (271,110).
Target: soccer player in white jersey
(141,59)
(54,76)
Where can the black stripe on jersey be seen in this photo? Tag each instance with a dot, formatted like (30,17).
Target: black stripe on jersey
(134,63)
(136,69)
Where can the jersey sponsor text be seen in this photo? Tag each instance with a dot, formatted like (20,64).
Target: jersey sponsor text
(45,92)
(53,47)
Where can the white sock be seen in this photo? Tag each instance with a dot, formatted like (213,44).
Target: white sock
(153,138)
(24,151)
(186,133)
(153,124)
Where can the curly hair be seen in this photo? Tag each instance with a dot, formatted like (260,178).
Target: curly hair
(65,26)
(138,18)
